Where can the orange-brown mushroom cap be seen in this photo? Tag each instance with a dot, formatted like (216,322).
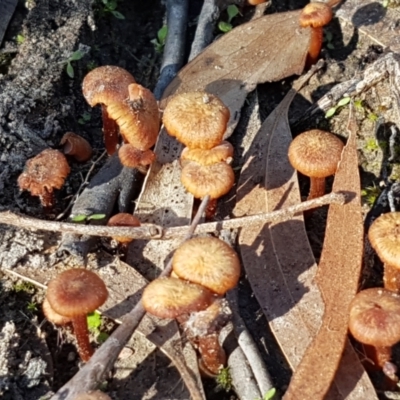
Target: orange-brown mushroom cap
(132,157)
(384,235)
(209,262)
(76,292)
(44,173)
(171,297)
(123,219)
(196,119)
(315,153)
(375,317)
(52,316)
(137,117)
(316,15)
(222,152)
(106,84)
(214,180)
(76,146)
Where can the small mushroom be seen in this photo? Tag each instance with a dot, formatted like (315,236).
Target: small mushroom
(132,157)
(76,146)
(44,173)
(52,316)
(375,322)
(104,85)
(123,219)
(209,262)
(75,293)
(219,153)
(196,119)
(384,235)
(315,15)
(316,154)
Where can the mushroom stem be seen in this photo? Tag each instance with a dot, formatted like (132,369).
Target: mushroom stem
(317,188)
(376,356)
(110,130)
(315,45)
(85,349)
(212,354)
(391,278)
(47,198)
(211,209)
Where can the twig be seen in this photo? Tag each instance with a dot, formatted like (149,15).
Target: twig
(152,231)
(93,373)
(24,278)
(174,49)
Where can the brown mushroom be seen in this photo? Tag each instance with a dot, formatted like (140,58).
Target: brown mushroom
(219,153)
(209,262)
(75,293)
(196,119)
(123,219)
(52,316)
(104,85)
(315,15)
(132,157)
(375,322)
(384,235)
(76,146)
(44,173)
(316,154)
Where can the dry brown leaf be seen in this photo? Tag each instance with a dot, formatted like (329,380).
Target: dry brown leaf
(278,259)
(337,277)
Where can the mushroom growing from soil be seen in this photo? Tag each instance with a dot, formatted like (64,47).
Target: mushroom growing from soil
(315,15)
(104,85)
(375,322)
(74,294)
(123,219)
(44,173)
(76,146)
(196,119)
(384,235)
(52,316)
(316,154)
(132,157)
(222,152)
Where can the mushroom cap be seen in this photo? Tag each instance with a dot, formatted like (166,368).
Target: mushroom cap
(93,395)
(196,119)
(384,235)
(132,157)
(201,180)
(315,153)
(52,316)
(222,152)
(209,262)
(137,116)
(375,317)
(171,297)
(123,219)
(76,292)
(316,15)
(106,84)
(76,146)
(44,172)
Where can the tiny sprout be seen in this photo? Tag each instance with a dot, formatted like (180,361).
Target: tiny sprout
(332,111)
(372,117)
(85,117)
(20,39)
(359,105)
(94,322)
(31,306)
(110,6)
(270,394)
(75,56)
(78,218)
(224,379)
(82,217)
(226,26)
(159,42)
(96,217)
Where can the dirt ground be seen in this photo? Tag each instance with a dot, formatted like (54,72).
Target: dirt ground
(39,102)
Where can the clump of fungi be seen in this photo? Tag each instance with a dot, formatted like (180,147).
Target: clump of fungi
(205,268)
(316,154)
(199,121)
(72,295)
(44,173)
(127,107)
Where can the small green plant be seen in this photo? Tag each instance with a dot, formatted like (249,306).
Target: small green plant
(159,41)
(224,379)
(370,194)
(75,56)
(372,117)
(91,65)
(94,323)
(24,287)
(341,103)
(86,218)
(226,26)
(328,37)
(371,144)
(269,395)
(110,6)
(20,39)
(31,306)
(358,105)
(85,117)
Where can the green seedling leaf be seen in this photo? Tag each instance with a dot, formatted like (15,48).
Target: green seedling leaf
(79,218)
(343,102)
(102,337)
(328,36)
(96,216)
(358,104)
(331,112)
(20,39)
(330,46)
(270,394)
(94,321)
(224,26)
(85,117)
(373,117)
(70,70)
(76,55)
(111,5)
(232,11)
(117,14)
(162,34)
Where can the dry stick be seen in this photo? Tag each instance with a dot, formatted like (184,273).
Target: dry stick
(151,231)
(94,372)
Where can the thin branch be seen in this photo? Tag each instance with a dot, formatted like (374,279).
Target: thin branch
(94,372)
(24,278)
